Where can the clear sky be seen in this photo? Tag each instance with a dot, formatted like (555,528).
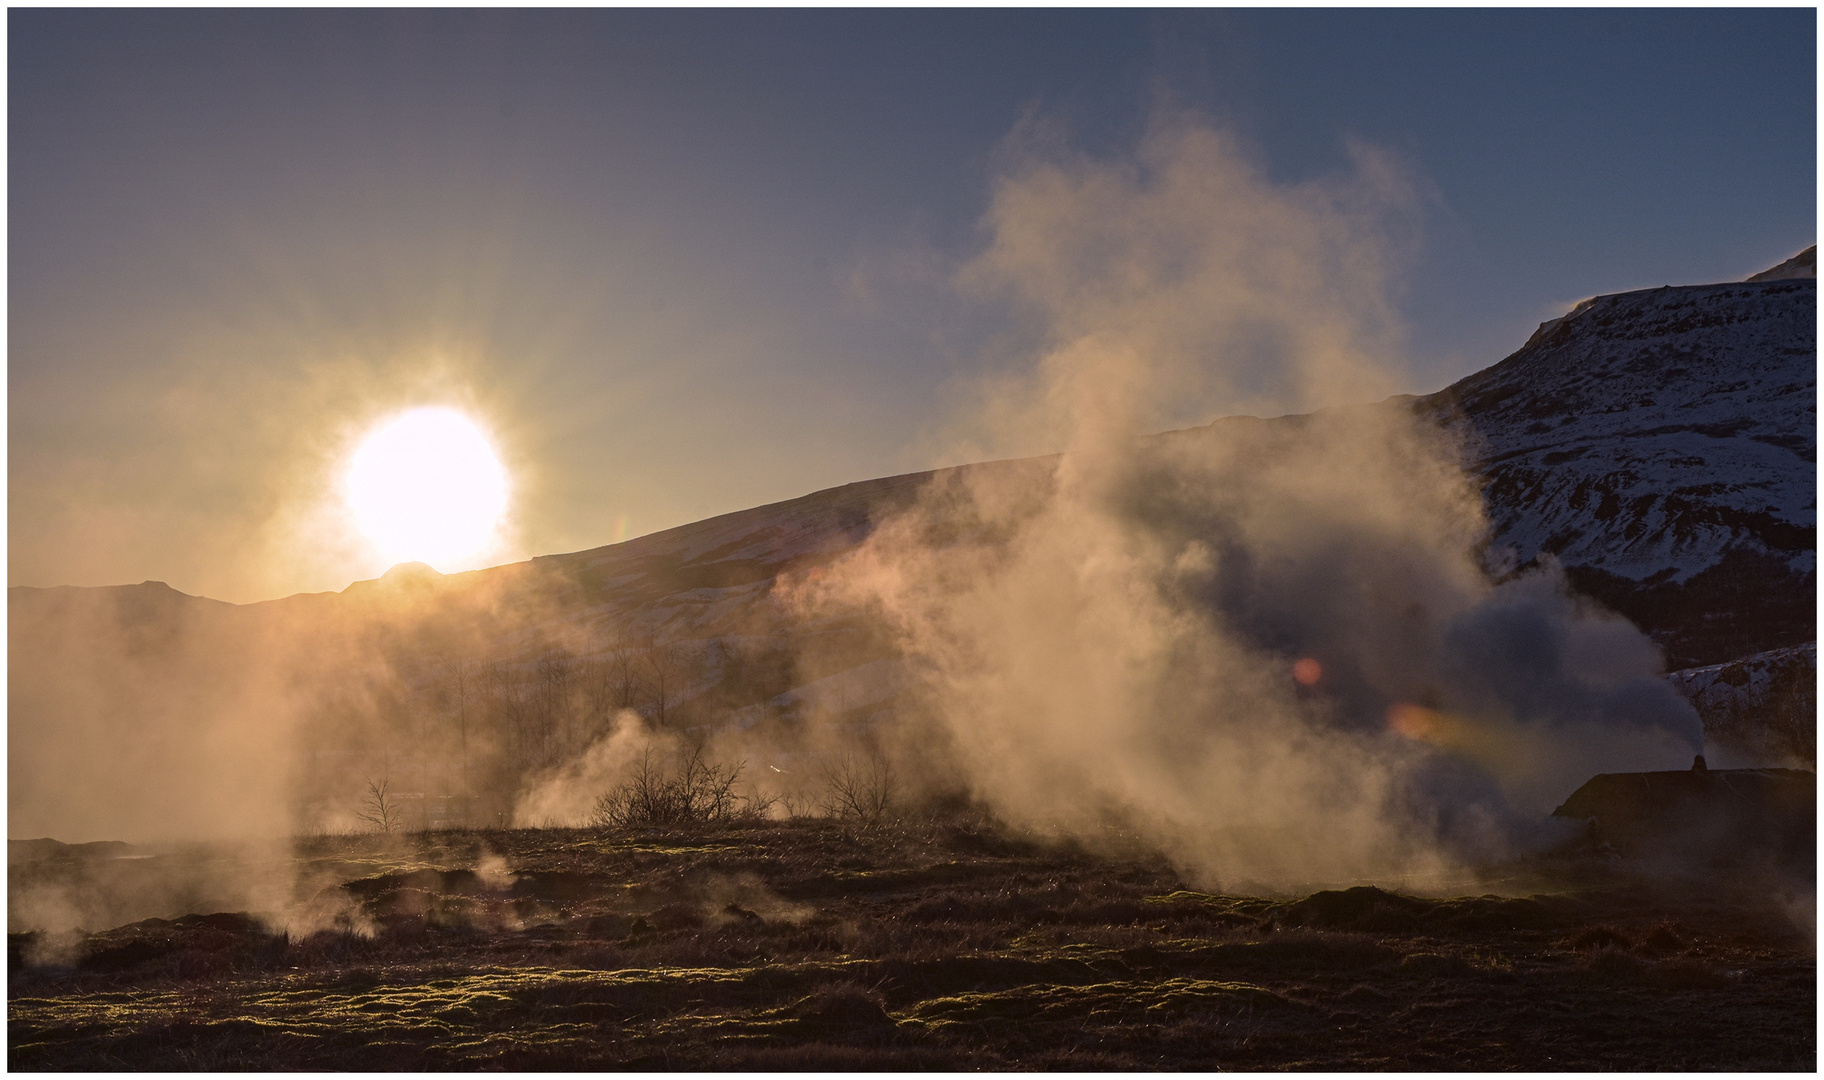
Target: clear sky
(686,262)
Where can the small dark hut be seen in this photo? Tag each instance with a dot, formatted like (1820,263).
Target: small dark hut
(1701,811)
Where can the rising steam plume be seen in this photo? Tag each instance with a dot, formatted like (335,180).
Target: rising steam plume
(1115,645)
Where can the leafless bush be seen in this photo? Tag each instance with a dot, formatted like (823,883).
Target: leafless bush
(863,789)
(696,792)
(381,809)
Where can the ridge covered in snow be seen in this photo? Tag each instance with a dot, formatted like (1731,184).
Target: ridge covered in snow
(1661,445)
(1802,265)
(1759,708)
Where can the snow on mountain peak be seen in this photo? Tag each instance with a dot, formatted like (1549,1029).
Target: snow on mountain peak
(1802,265)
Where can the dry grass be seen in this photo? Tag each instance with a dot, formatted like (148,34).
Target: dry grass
(814,945)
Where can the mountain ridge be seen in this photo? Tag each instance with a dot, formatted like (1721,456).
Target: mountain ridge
(1651,438)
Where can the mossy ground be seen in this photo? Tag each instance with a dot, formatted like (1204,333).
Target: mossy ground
(805,944)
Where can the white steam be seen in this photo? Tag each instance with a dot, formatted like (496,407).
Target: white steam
(1113,643)
(566,795)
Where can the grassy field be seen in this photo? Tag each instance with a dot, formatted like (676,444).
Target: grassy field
(810,945)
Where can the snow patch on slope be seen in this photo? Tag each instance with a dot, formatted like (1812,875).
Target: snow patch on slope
(1760,709)
(1645,433)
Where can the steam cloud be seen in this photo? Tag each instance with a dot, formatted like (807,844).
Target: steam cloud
(566,794)
(1114,644)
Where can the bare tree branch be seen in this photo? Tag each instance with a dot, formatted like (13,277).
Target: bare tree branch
(381,809)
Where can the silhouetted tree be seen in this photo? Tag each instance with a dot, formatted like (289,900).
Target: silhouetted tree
(864,788)
(380,809)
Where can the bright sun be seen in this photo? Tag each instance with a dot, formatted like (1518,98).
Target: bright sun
(427,487)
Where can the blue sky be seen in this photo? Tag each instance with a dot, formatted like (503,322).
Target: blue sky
(686,262)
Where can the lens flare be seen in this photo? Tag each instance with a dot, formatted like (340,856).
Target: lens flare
(1418,722)
(427,486)
(1496,745)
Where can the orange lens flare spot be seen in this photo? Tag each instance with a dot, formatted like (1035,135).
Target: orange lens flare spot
(1415,721)
(1307,671)
(1491,743)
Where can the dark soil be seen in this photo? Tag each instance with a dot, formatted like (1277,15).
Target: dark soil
(807,945)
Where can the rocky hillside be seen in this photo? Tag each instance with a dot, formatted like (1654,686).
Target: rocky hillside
(1662,446)
(1760,708)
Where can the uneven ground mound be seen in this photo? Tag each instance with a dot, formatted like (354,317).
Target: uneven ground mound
(806,945)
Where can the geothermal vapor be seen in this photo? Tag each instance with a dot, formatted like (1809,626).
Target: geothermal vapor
(1107,646)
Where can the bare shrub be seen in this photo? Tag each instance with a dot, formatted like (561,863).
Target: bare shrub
(381,809)
(696,792)
(863,789)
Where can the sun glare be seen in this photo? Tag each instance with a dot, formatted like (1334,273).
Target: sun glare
(426,486)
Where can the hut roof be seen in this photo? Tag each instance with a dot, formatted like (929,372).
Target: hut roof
(1629,793)
(1744,808)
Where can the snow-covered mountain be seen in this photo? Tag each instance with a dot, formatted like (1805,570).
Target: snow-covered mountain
(1802,265)
(1662,445)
